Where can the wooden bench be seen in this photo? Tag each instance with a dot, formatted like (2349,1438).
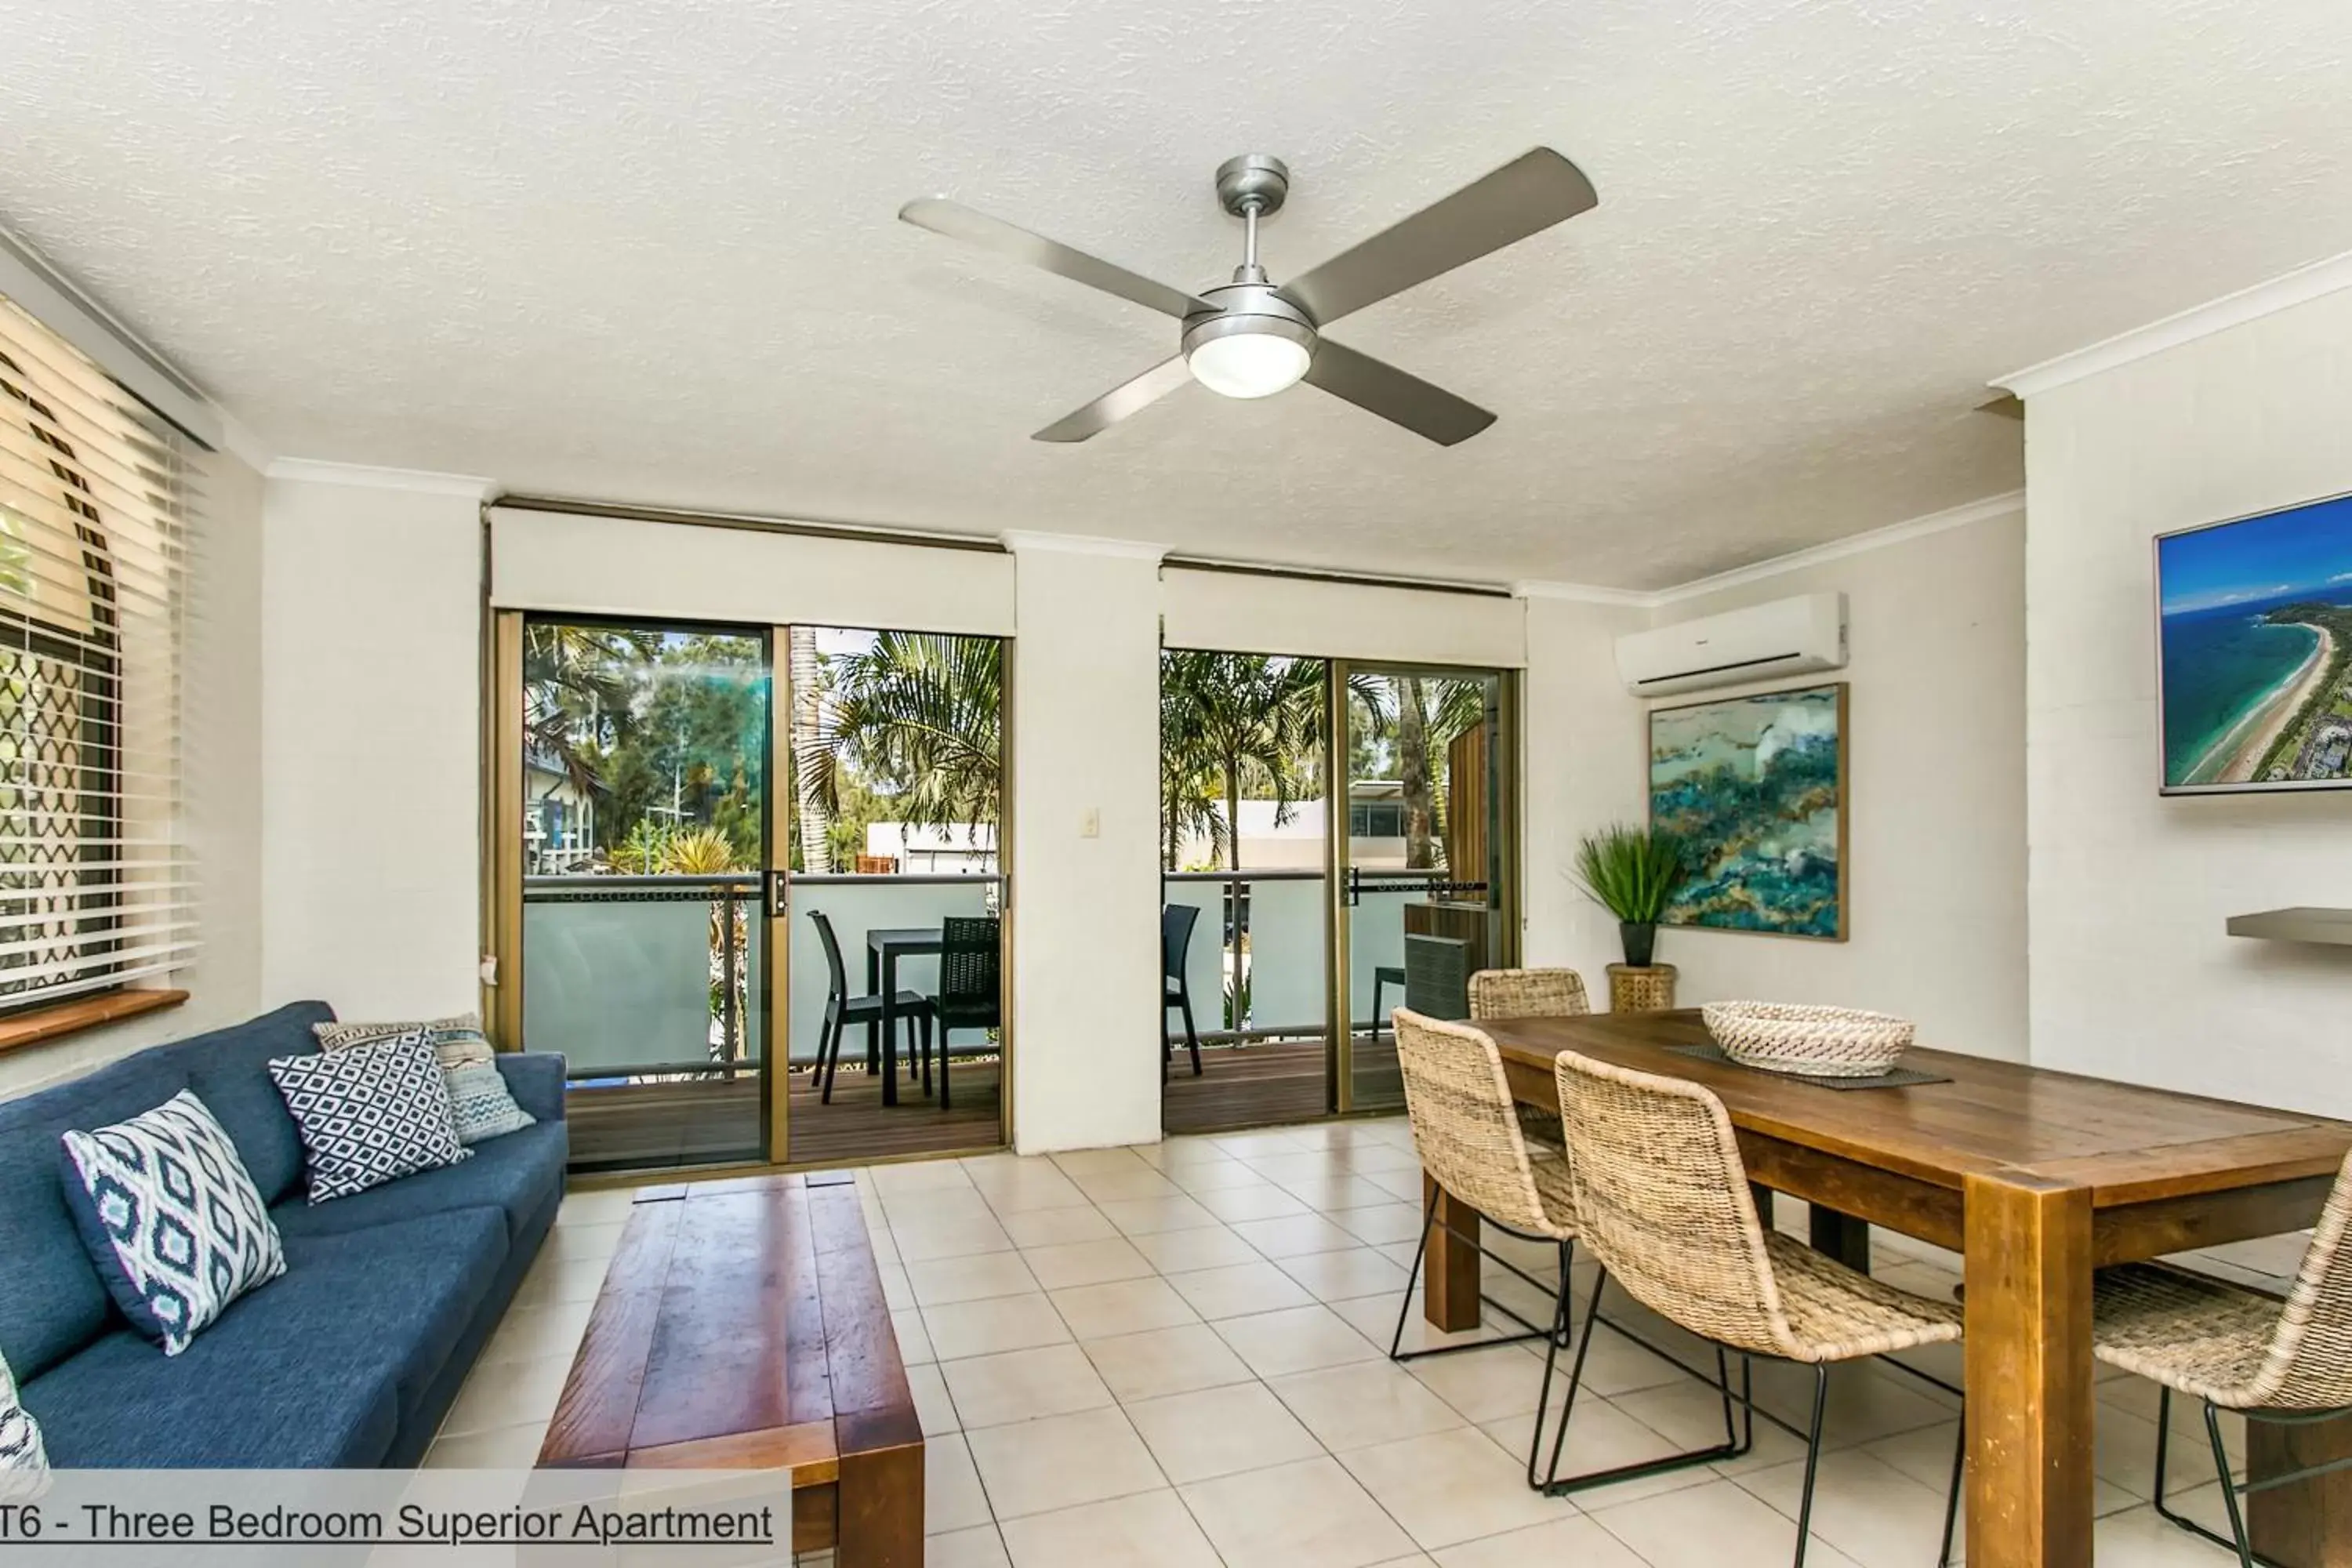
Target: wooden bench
(742,1326)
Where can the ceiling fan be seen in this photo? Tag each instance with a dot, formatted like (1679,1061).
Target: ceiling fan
(1251,337)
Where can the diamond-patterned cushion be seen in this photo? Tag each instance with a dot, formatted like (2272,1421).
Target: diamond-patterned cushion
(20,1440)
(173,1224)
(370,1114)
(479,1096)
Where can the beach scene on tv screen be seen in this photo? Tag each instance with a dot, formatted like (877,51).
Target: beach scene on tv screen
(2255,624)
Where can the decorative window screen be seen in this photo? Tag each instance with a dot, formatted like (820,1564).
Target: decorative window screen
(96,890)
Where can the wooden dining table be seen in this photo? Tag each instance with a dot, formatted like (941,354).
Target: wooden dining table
(2037,1178)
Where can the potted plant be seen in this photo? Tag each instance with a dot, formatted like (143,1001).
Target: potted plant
(1632,872)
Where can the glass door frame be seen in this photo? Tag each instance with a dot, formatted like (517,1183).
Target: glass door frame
(502,863)
(1503,870)
(502,842)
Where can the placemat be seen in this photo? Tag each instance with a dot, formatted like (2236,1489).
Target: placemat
(1710,1051)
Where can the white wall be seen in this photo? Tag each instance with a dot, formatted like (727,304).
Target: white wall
(2133,975)
(1583,741)
(371,698)
(1085,727)
(221,783)
(1936,851)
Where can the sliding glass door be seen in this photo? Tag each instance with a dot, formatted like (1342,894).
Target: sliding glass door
(642,828)
(1425,848)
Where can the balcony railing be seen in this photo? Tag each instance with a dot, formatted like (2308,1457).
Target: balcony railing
(1256,966)
(635,977)
(644,976)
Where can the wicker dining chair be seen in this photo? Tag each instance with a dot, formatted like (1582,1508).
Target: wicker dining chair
(1663,1202)
(1467,1132)
(2286,1363)
(1529,993)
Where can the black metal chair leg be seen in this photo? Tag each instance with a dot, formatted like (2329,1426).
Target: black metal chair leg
(926,1053)
(943,1067)
(1812,1460)
(828,1061)
(1412,1279)
(1952,1498)
(2228,1490)
(1192,1036)
(1561,1315)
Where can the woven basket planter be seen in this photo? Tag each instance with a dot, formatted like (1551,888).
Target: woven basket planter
(1820,1042)
(1648,989)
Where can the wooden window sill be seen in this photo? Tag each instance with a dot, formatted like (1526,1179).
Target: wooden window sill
(38,1025)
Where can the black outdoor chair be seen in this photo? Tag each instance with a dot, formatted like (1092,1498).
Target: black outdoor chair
(842,1009)
(971,987)
(1437,976)
(1176,924)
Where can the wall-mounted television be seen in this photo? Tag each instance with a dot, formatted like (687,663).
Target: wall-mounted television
(2254,640)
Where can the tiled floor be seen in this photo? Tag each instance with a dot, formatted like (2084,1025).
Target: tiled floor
(1173,1355)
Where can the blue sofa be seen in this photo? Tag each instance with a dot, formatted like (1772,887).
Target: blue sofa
(351,1357)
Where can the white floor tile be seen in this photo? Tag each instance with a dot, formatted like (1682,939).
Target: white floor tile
(977,1547)
(1121,1307)
(1449,1486)
(1061,1461)
(1564,1542)
(1312,1514)
(1362,1403)
(1299,1340)
(1031,1228)
(1087,1262)
(998,1323)
(1346,1275)
(1202,1247)
(1716,1525)
(1150,1530)
(1220,1431)
(1022,1385)
(1279,1239)
(1165,1361)
(943,1281)
(1239,1289)
(952,1497)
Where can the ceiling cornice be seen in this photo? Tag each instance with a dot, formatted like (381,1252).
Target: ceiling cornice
(2007,504)
(2296,288)
(418,482)
(1018,540)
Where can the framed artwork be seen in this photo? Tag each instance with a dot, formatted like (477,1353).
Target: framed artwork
(2254,630)
(1757,788)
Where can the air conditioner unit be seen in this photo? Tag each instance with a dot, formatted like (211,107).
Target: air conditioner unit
(1762,642)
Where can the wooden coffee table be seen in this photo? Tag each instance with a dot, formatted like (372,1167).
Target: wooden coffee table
(742,1326)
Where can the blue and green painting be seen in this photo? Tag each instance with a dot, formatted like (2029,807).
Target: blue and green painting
(1755,786)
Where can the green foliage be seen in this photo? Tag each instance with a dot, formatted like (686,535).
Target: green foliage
(919,717)
(1632,872)
(1230,721)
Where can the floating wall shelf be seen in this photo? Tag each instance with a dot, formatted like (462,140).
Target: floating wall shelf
(2296,925)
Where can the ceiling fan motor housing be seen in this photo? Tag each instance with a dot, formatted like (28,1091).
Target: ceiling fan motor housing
(1247,308)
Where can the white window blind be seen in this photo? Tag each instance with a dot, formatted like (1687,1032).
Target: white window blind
(96,890)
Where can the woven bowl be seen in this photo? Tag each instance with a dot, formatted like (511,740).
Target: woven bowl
(1819,1042)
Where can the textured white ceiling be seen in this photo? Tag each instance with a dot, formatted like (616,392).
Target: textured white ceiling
(647,251)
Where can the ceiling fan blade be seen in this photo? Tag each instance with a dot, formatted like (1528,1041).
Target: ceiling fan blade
(1120,400)
(1525,196)
(1381,388)
(957,221)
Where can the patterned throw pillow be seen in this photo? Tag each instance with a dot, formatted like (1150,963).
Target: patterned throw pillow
(485,1107)
(21,1457)
(369,1114)
(172,1222)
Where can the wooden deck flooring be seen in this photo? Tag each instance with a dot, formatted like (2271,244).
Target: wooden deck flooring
(662,1126)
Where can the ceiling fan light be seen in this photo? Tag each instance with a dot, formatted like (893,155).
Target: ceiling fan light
(1248,365)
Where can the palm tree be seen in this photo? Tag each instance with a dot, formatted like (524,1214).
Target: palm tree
(1430,715)
(814,819)
(580,689)
(1225,714)
(921,713)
